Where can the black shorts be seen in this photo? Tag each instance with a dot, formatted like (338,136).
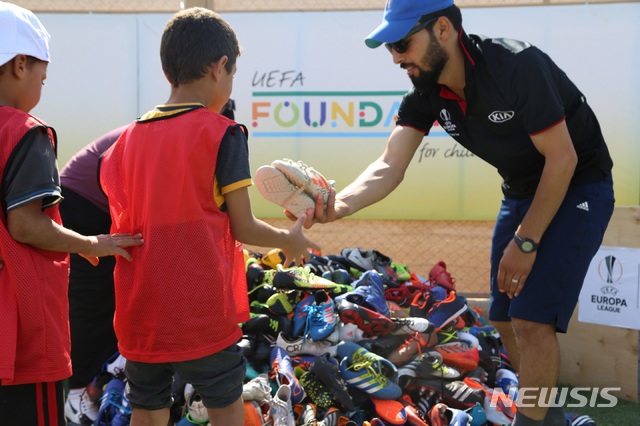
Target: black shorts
(572,239)
(40,404)
(218,378)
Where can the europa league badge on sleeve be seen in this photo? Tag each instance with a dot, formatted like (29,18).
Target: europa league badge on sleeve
(611,291)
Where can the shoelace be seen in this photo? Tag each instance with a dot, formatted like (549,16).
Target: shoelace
(448,335)
(314,315)
(415,337)
(114,398)
(443,369)
(360,361)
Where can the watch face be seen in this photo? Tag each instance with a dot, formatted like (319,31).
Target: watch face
(526,246)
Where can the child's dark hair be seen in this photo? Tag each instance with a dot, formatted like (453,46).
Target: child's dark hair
(192,40)
(30,61)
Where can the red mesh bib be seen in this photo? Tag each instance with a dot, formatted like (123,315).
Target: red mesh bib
(184,293)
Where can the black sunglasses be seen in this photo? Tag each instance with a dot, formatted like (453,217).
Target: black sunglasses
(401,45)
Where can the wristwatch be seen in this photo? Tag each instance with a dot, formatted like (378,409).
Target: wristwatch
(526,245)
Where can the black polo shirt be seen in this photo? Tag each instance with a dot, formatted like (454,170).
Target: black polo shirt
(513,90)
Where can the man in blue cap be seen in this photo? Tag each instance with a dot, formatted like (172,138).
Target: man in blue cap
(508,103)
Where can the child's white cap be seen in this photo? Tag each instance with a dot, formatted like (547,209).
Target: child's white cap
(21,33)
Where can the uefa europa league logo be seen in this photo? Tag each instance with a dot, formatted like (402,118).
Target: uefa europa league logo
(609,262)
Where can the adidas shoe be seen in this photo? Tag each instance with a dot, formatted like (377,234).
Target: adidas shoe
(367,371)
(456,394)
(273,258)
(79,408)
(301,346)
(275,187)
(282,407)
(282,371)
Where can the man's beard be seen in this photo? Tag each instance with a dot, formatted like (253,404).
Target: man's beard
(435,58)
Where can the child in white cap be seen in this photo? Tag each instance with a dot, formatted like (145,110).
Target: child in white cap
(34,246)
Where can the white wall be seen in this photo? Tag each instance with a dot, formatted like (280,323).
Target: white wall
(106,71)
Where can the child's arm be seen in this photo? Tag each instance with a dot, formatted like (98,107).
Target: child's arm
(29,225)
(249,230)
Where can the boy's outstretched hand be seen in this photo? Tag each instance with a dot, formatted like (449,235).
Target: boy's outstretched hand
(110,245)
(300,244)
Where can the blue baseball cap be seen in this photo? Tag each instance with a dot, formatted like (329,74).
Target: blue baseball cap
(400,16)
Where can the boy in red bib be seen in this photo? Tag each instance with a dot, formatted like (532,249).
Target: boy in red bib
(179,175)
(34,247)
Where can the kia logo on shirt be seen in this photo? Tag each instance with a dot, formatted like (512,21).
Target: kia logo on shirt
(501,116)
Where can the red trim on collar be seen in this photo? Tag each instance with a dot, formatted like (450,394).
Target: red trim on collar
(464,48)
(448,94)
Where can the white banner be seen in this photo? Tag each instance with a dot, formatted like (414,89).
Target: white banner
(611,291)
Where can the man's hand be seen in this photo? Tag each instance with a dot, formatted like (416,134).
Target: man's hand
(514,269)
(327,212)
